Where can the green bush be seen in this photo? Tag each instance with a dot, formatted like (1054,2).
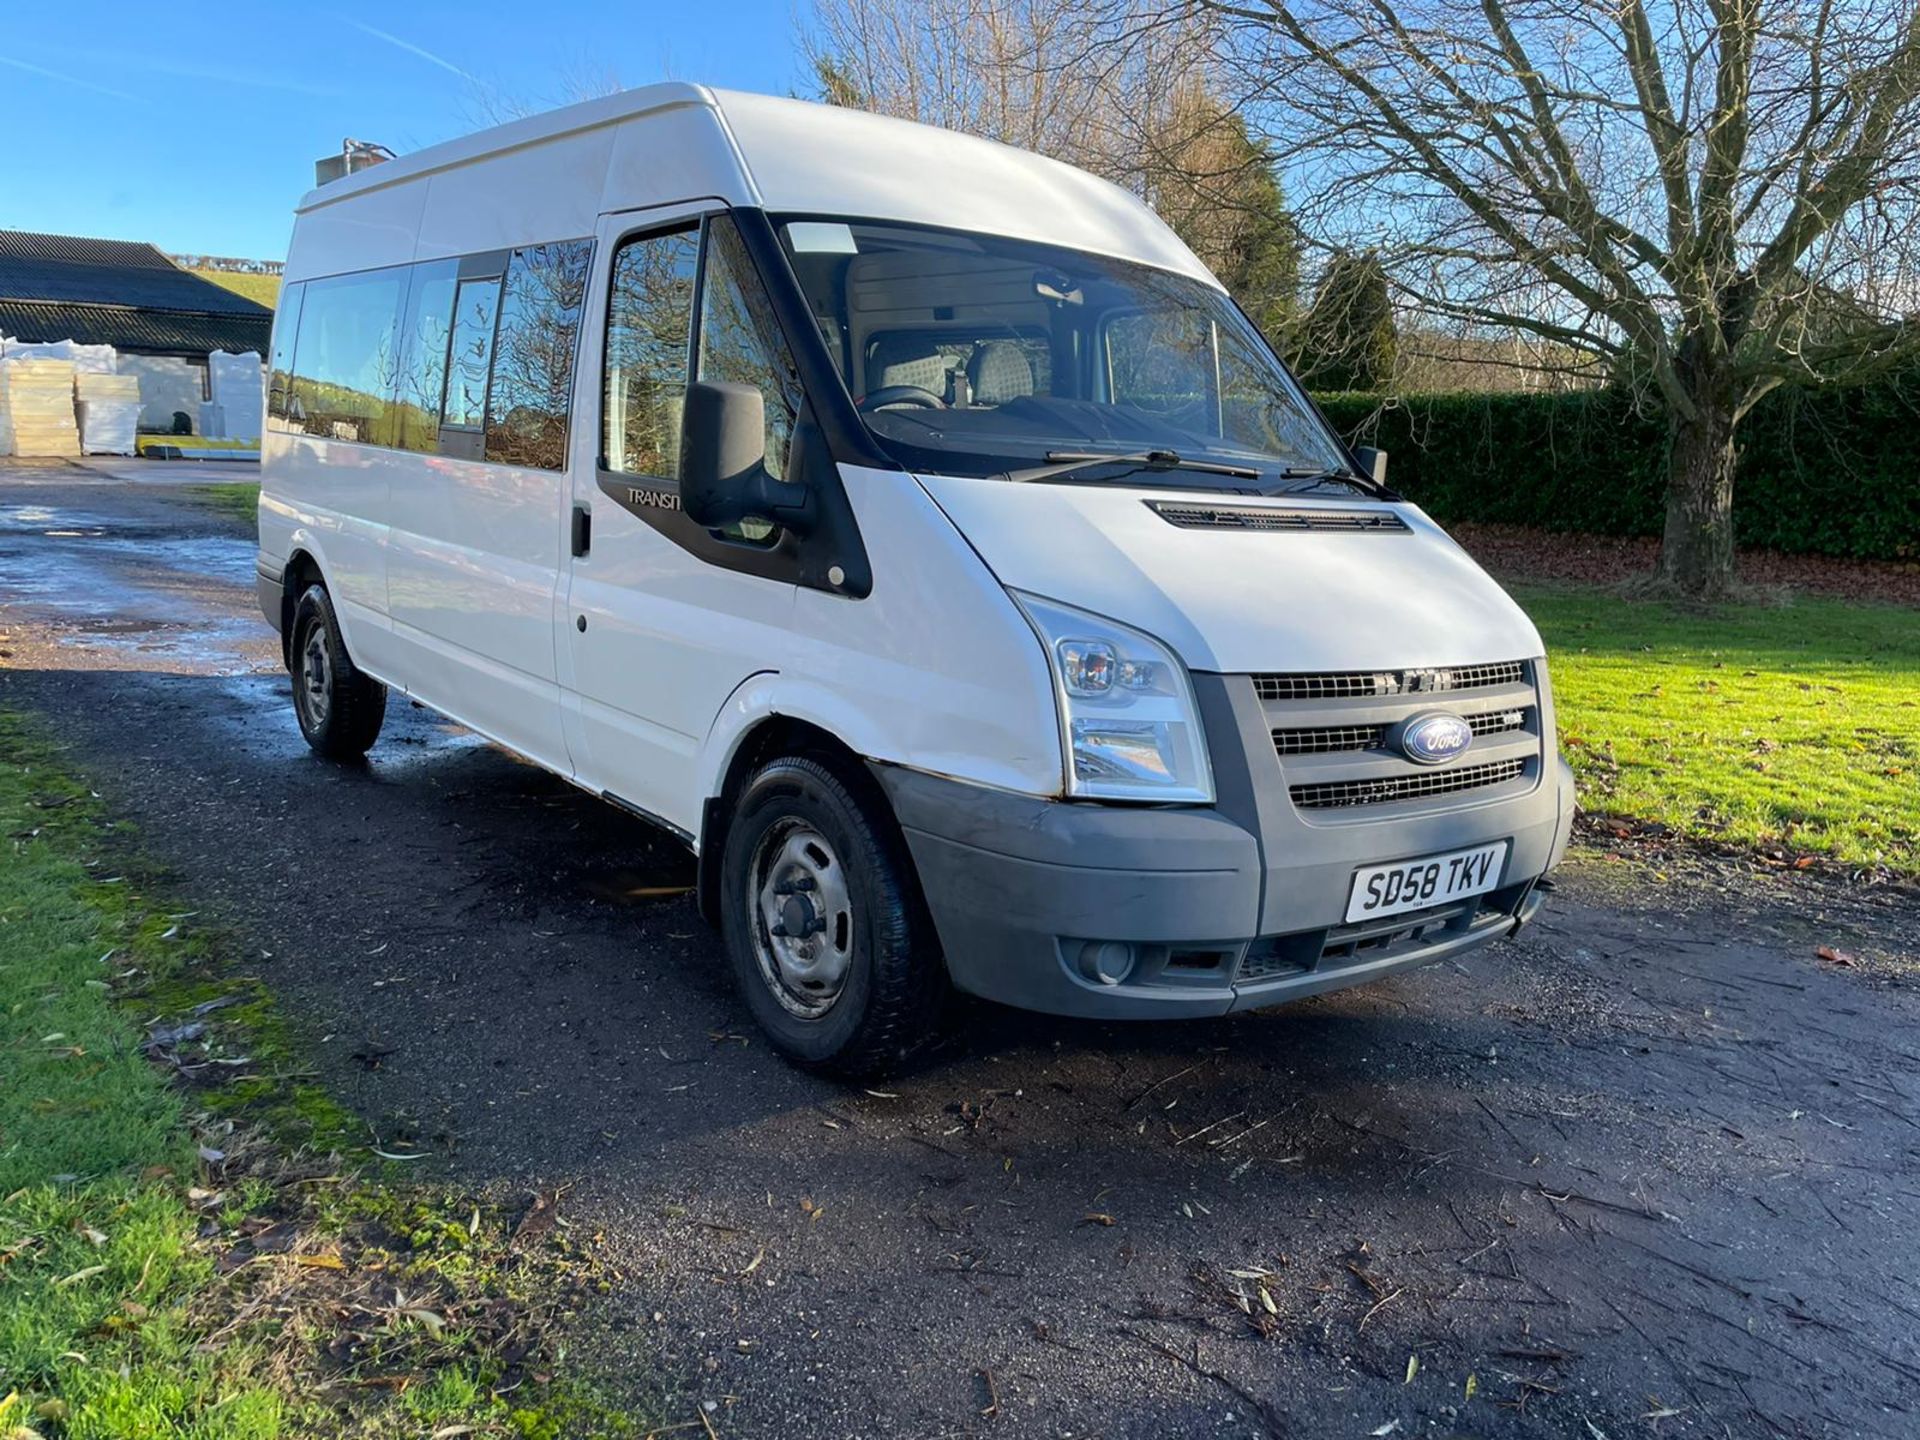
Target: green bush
(1822,473)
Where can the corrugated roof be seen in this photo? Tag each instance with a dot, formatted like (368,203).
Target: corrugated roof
(69,269)
(181,332)
(78,249)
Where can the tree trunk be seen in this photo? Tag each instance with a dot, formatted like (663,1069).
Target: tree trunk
(1696,552)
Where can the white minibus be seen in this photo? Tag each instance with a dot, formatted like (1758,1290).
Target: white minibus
(916,529)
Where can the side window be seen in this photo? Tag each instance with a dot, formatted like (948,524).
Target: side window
(649,330)
(346,359)
(740,340)
(475,303)
(1162,361)
(539,331)
(1257,408)
(423,357)
(286,329)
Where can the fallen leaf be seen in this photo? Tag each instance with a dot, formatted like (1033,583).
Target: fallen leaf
(1473,1386)
(320,1262)
(1097,1217)
(1413,1369)
(79,1275)
(1833,956)
(433,1321)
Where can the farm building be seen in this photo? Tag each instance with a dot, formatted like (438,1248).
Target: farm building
(162,320)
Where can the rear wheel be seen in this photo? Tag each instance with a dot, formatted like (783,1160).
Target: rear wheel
(339,709)
(830,942)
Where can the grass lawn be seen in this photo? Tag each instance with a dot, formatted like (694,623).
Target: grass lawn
(261,289)
(1795,725)
(212,1268)
(97,1256)
(239,499)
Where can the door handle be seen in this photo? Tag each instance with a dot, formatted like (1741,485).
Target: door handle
(582,530)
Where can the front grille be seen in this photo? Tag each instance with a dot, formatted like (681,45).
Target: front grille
(1339,793)
(1190,516)
(1368,684)
(1330,739)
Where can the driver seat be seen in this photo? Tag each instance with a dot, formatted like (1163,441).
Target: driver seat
(999,371)
(907,360)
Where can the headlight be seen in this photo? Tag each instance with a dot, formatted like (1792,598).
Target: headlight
(1127,713)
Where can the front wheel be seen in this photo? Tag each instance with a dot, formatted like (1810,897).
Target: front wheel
(830,942)
(339,708)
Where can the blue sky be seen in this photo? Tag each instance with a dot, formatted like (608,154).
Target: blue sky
(196,126)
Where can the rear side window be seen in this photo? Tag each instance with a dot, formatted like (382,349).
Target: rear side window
(475,304)
(424,341)
(538,334)
(286,328)
(346,358)
(649,329)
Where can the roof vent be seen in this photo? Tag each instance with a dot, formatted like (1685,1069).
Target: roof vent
(354,156)
(1189,515)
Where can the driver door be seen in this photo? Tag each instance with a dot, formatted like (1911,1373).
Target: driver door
(655,632)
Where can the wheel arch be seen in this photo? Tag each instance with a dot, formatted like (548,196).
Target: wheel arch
(761,722)
(302,569)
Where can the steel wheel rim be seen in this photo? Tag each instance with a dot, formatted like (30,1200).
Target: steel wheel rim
(313,685)
(802,918)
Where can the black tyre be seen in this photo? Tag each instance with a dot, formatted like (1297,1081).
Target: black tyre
(339,709)
(830,941)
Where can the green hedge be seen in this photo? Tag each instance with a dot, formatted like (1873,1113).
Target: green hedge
(1828,473)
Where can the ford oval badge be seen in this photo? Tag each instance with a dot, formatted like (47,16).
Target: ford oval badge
(1435,738)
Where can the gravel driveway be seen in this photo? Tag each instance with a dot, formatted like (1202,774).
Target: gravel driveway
(1653,1169)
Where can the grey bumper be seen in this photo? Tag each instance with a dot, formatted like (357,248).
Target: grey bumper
(1223,908)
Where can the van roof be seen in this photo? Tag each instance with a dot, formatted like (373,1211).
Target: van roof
(550,175)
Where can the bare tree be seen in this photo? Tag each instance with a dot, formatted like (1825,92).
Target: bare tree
(1717,195)
(1116,88)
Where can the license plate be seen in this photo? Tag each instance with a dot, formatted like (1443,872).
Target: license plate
(1433,880)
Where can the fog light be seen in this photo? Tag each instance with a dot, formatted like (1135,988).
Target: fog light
(1106,961)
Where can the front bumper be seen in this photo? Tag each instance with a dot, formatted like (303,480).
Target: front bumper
(1222,908)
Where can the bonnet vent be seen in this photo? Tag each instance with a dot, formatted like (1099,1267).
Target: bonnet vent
(1190,516)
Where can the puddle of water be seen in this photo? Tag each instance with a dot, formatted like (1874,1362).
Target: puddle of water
(170,599)
(40,519)
(413,738)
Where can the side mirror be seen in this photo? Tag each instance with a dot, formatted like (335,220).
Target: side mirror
(723,461)
(1373,463)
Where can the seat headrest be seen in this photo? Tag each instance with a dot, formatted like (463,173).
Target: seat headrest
(999,371)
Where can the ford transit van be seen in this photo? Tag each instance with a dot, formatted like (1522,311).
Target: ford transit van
(916,529)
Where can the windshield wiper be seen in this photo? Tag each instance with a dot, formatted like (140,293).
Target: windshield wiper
(1303,478)
(1062,463)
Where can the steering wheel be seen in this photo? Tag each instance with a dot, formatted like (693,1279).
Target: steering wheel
(902,395)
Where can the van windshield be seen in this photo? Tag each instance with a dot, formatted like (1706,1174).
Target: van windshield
(979,355)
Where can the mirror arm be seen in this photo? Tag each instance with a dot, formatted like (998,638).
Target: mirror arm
(787,501)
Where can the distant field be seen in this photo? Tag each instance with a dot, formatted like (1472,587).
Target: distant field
(265,289)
